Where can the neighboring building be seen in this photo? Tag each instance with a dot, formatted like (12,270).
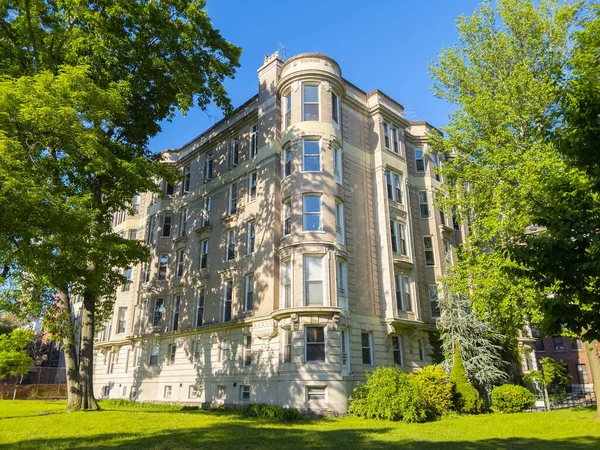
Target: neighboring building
(572,353)
(301,249)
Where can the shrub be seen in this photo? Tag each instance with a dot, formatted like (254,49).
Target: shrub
(389,394)
(510,398)
(272,412)
(435,389)
(466,397)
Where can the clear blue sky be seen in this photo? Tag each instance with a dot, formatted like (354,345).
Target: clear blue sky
(384,44)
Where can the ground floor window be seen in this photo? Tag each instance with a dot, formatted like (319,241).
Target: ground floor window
(315,393)
(245,392)
(168,390)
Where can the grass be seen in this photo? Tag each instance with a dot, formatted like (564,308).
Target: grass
(43,425)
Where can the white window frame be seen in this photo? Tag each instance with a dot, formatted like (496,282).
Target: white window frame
(193,391)
(286,216)
(432,250)
(306,281)
(185,183)
(396,140)
(251,232)
(340,231)
(305,214)
(252,182)
(180,262)
(394,235)
(206,211)
(403,240)
(230,241)
(318,86)
(176,312)
(286,109)
(306,344)
(172,354)
(233,155)
(168,391)
(249,283)
(154,352)
(203,253)
(362,348)
(122,320)
(183,219)
(424,204)
(286,162)
(335,109)
(253,141)
(319,394)
(287,280)
(232,199)
(227,288)
(200,302)
(423,158)
(245,390)
(341,273)
(386,135)
(338,172)
(304,155)
(225,350)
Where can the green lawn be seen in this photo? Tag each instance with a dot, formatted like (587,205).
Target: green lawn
(44,425)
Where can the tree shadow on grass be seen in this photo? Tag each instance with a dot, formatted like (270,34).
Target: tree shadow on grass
(264,435)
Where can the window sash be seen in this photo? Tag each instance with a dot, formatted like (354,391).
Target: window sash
(335,108)
(337,165)
(233,195)
(180,262)
(315,344)
(230,244)
(252,186)
(423,204)
(397,350)
(287,162)
(367,356)
(166,228)
(204,254)
(386,135)
(249,300)
(251,237)
(227,301)
(311,155)
(200,298)
(176,309)
(287,217)
(163,261)
(247,351)
(428,249)
(312,219)
(339,222)
(310,102)
(420,160)
(254,141)
(313,280)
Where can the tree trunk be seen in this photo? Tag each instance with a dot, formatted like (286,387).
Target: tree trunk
(70,352)
(86,355)
(591,349)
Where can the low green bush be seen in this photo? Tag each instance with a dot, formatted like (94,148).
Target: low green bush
(510,398)
(389,394)
(466,398)
(272,412)
(436,389)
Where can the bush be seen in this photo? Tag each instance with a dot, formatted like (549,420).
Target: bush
(272,412)
(466,397)
(510,398)
(435,388)
(389,394)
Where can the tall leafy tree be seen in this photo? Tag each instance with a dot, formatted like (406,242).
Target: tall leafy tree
(85,85)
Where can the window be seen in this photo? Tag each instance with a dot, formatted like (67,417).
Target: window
(345,350)
(230,244)
(122,320)
(436,165)
(183,219)
(448,252)
(185,185)
(176,309)
(406,293)
(251,237)
(287,216)
(442,217)
(249,298)
(159,305)
(221,392)
(172,354)
(180,261)
(225,350)
(428,248)
(247,350)
(200,295)
(337,165)
(315,344)
(313,280)
(227,299)
(394,227)
(339,222)
(286,162)
(132,235)
(233,156)
(154,355)
(166,226)
(233,194)
(421,350)
(365,340)
(169,189)
(455,219)
(151,237)
(252,182)
(312,212)
(244,392)
(403,245)
(128,274)
(394,186)
(254,141)
(335,109)
(396,137)
(310,102)
(386,135)
(168,390)
(147,271)
(434,301)
(136,205)
(423,204)
(539,346)
(342,283)
(397,350)
(163,260)
(208,167)
(420,160)
(287,346)
(558,343)
(287,110)
(197,351)
(204,253)
(399,296)
(311,155)
(193,391)
(315,393)
(287,284)
(582,376)
(206,212)
(575,344)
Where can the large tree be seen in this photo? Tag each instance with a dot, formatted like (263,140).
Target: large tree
(530,203)
(85,84)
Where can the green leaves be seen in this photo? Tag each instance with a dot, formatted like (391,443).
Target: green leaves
(14,359)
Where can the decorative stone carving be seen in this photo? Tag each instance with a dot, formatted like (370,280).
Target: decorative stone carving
(335,322)
(265,329)
(295,86)
(327,86)
(390,329)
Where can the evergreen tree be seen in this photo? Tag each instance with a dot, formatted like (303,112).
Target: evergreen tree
(466,397)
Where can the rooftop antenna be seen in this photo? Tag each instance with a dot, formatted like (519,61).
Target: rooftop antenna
(281,51)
